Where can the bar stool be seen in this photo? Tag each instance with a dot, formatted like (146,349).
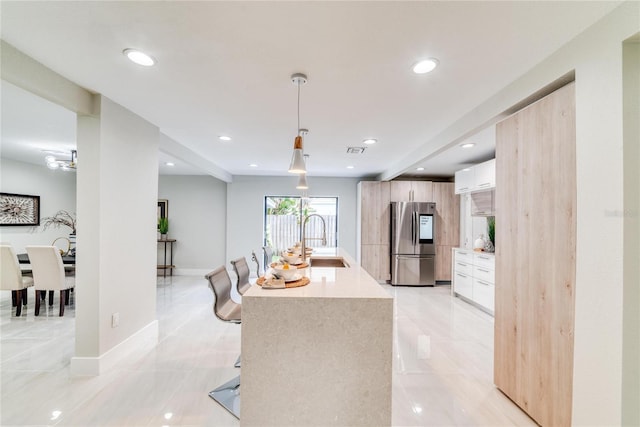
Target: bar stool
(268,256)
(254,258)
(227,310)
(241,269)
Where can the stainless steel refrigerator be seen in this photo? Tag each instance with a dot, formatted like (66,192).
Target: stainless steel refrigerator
(413,246)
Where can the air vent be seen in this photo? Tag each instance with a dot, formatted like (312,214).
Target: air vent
(356,150)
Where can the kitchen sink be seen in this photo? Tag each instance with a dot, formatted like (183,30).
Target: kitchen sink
(334,262)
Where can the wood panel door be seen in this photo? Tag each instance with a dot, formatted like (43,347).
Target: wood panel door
(374,213)
(447,214)
(535,257)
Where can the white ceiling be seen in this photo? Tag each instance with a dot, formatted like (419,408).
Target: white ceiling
(224,68)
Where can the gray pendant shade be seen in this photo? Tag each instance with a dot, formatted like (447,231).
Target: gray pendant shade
(302,182)
(297,160)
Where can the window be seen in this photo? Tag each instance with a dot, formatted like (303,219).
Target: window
(282,221)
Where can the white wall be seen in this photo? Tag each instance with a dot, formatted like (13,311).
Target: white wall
(245,209)
(631,213)
(117,205)
(197,220)
(57,191)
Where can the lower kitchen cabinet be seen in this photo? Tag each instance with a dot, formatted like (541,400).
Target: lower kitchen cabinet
(473,278)
(375,260)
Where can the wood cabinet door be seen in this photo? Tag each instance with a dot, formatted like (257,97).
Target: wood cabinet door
(536,257)
(447,214)
(422,191)
(374,213)
(443,262)
(375,260)
(401,191)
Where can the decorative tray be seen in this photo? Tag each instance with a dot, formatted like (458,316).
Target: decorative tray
(295,284)
(297,266)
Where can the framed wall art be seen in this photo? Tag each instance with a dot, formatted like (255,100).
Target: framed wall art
(163,208)
(19,209)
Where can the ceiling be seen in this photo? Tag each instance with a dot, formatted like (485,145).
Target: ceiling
(223,68)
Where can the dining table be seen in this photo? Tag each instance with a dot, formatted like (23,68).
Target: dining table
(66,259)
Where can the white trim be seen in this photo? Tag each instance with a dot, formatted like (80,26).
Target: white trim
(143,340)
(190,272)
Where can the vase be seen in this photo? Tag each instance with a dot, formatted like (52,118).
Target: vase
(488,247)
(479,243)
(163,236)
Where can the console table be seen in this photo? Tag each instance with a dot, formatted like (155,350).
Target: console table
(164,266)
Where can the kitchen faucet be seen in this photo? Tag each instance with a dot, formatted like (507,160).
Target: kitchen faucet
(304,238)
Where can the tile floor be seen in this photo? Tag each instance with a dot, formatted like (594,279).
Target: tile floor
(443,357)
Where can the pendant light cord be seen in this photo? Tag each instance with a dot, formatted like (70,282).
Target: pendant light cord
(298,130)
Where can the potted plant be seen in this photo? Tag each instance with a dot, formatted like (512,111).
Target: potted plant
(163,227)
(491,231)
(60,218)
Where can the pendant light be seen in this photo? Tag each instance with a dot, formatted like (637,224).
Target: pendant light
(302,180)
(297,160)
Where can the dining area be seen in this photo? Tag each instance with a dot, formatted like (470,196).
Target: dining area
(43,269)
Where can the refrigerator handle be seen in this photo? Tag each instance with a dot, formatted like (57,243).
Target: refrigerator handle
(415,227)
(413,232)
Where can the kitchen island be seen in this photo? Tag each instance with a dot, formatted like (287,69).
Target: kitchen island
(320,354)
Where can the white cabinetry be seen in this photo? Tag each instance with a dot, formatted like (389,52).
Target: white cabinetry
(474,278)
(476,178)
(464,180)
(484,176)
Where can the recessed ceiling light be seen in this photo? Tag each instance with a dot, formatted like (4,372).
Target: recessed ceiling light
(139,57)
(224,138)
(169,164)
(420,168)
(468,145)
(370,141)
(466,169)
(425,66)
(253,165)
(350,167)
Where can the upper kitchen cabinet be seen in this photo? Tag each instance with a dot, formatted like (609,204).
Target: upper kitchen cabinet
(411,191)
(476,178)
(464,180)
(484,176)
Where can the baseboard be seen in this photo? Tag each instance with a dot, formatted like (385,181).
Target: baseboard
(190,272)
(145,339)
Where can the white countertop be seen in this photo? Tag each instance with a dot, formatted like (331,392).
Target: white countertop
(329,282)
(475,252)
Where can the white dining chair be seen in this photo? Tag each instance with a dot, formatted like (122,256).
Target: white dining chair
(12,279)
(48,273)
